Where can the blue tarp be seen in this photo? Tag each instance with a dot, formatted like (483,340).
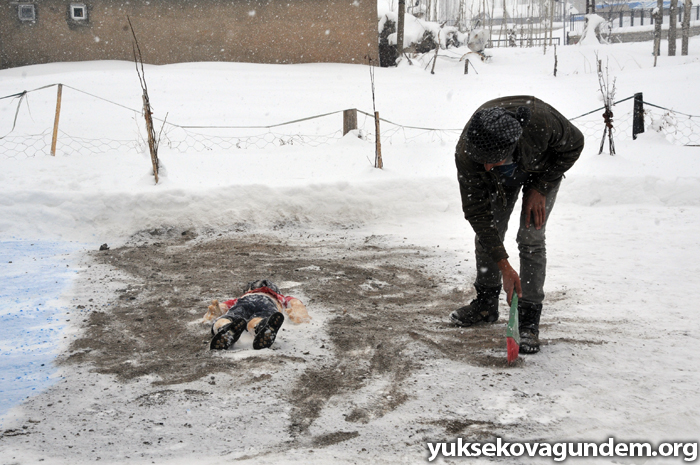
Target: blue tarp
(33,276)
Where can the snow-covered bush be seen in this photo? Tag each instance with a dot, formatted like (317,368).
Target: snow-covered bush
(662,123)
(419,35)
(387,51)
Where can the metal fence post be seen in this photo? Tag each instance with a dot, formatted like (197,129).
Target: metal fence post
(638,115)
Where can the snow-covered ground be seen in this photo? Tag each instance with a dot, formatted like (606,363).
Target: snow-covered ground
(623,248)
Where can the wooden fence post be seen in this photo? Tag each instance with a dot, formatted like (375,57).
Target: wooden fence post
(437,49)
(349,120)
(378,163)
(55,121)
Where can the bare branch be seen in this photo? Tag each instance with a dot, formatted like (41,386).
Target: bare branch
(147,113)
(608,92)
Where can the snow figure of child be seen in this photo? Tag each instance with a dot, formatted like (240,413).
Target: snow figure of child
(258,310)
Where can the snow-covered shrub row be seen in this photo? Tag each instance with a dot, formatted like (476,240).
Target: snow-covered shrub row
(419,35)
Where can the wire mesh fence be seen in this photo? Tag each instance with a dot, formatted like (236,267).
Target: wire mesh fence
(189,141)
(326,130)
(677,127)
(20,142)
(25,145)
(33,145)
(30,137)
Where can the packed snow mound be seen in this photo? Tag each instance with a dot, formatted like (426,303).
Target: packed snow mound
(594,30)
(477,40)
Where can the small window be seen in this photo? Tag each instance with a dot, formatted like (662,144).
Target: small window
(26,12)
(78,11)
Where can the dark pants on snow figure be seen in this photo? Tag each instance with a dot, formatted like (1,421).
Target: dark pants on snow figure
(252,306)
(531,242)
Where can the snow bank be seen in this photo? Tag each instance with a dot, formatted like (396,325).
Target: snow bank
(324,188)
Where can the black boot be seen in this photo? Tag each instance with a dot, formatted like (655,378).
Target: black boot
(266,331)
(529,316)
(227,335)
(483,308)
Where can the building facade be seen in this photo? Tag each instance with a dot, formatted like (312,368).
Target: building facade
(175,31)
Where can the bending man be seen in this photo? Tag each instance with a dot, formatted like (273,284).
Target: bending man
(512,144)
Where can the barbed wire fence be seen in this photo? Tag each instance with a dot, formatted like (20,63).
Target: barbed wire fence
(33,138)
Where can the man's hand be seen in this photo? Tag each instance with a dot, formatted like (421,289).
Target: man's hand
(511,280)
(534,205)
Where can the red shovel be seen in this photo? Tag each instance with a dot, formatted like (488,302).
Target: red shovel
(513,331)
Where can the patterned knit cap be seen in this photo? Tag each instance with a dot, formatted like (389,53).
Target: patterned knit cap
(253,285)
(493,133)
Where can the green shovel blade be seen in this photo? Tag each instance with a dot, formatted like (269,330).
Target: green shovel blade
(513,328)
